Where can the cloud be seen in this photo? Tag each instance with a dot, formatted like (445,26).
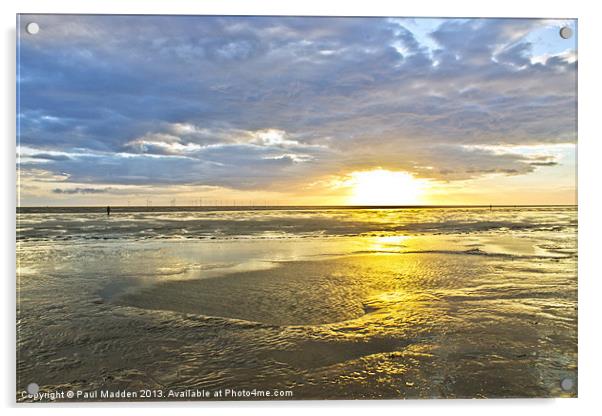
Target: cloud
(48,156)
(72,191)
(550,163)
(273,102)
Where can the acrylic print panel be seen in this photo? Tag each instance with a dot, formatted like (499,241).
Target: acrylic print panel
(257,208)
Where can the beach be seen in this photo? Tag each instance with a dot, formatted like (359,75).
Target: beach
(327,303)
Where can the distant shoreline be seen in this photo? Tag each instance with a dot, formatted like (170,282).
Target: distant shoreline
(119,208)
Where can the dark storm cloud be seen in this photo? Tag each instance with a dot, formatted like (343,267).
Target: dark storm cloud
(193,99)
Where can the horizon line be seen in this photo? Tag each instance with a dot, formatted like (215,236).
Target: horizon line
(304,206)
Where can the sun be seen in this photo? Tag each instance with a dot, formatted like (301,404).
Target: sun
(385,187)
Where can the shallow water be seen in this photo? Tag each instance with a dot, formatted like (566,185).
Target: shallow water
(332,303)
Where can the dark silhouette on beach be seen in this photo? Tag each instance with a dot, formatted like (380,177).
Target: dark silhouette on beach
(108,210)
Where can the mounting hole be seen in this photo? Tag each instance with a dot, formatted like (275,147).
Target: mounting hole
(567,384)
(32,28)
(566,32)
(33,388)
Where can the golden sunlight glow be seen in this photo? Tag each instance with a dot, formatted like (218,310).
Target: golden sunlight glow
(384,187)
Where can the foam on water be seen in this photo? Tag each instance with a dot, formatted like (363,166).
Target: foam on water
(70,224)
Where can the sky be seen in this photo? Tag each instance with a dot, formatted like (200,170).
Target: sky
(223,110)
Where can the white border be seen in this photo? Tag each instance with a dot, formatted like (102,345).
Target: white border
(590,28)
